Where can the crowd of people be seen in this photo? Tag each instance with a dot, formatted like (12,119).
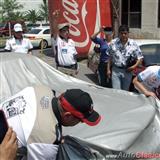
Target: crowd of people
(118,58)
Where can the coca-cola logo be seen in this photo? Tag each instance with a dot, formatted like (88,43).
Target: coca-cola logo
(85,17)
(76,16)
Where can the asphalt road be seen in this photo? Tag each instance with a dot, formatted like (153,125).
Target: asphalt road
(84,72)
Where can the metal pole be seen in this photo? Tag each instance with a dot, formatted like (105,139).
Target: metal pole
(9,25)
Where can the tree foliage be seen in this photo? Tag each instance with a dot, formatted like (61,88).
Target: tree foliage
(10,9)
(32,16)
(44,10)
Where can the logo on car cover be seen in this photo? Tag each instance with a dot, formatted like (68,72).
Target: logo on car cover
(44,102)
(14,107)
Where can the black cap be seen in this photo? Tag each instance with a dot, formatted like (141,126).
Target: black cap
(108,30)
(80,104)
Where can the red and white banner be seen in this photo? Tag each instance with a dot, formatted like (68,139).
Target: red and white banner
(85,17)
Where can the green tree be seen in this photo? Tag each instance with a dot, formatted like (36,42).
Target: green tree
(9,8)
(32,16)
(18,16)
(44,10)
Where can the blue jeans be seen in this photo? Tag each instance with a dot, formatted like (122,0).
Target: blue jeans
(121,79)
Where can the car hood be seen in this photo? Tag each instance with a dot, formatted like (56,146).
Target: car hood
(128,119)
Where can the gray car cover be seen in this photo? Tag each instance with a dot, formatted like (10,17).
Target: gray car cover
(130,122)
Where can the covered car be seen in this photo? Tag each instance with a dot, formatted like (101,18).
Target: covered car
(130,122)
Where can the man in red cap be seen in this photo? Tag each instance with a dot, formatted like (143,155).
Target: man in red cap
(76,106)
(37,117)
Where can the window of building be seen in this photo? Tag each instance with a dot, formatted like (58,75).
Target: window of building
(158,13)
(131,13)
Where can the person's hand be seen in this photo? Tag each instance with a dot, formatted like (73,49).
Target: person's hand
(130,69)
(149,93)
(102,29)
(56,13)
(108,73)
(9,145)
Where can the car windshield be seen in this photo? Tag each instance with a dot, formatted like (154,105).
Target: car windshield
(46,24)
(34,31)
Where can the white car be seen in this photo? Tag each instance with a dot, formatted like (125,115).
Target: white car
(150,49)
(39,37)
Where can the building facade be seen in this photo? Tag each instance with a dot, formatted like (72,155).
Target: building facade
(142,16)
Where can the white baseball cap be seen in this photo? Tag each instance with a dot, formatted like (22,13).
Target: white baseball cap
(62,25)
(18,27)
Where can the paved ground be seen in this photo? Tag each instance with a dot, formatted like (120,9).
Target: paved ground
(84,72)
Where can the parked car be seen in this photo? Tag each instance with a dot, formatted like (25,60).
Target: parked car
(39,36)
(31,26)
(6,28)
(150,49)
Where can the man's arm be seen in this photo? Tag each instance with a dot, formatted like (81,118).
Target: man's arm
(109,67)
(139,57)
(9,145)
(30,51)
(30,47)
(93,36)
(8,46)
(55,16)
(138,62)
(138,85)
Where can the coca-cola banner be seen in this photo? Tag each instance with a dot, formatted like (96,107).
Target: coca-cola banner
(85,17)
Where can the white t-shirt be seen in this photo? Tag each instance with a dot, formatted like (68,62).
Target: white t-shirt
(66,51)
(18,46)
(150,77)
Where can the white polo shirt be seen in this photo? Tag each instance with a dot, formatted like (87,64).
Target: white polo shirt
(150,77)
(18,46)
(66,51)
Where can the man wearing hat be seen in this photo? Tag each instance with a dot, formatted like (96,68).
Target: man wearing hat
(148,81)
(66,54)
(18,43)
(104,58)
(36,115)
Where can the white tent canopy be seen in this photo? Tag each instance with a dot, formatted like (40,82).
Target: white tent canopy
(130,122)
